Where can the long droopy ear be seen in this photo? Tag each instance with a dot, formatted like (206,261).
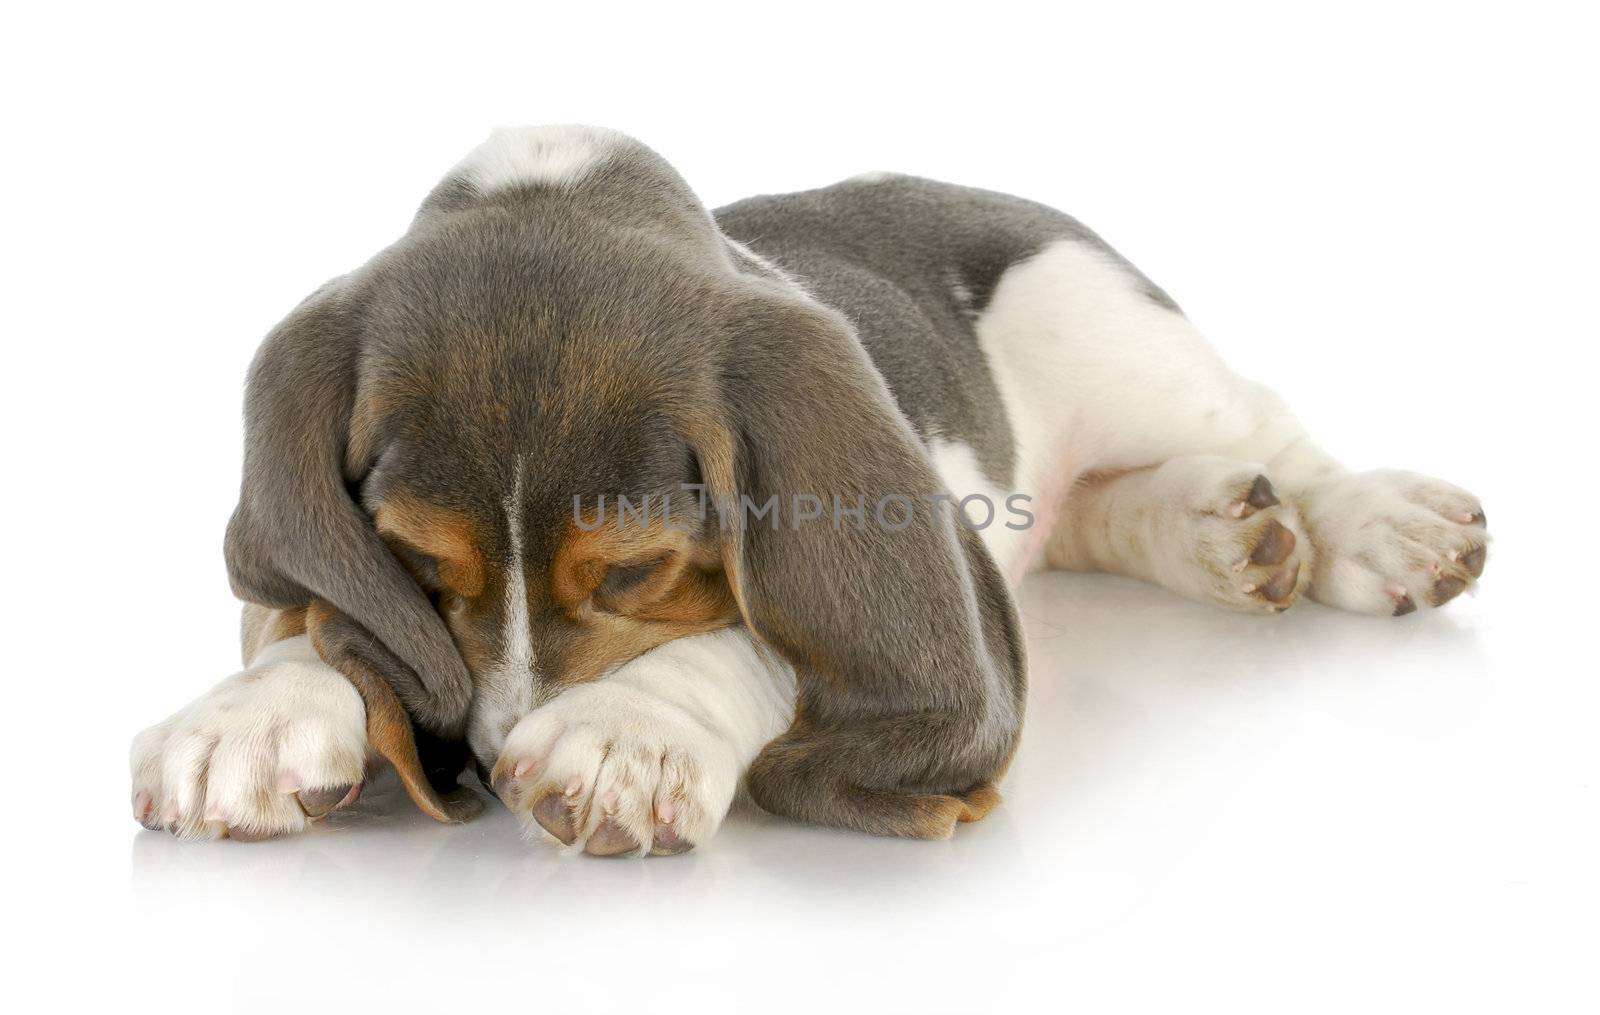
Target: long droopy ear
(429,776)
(900,627)
(298,533)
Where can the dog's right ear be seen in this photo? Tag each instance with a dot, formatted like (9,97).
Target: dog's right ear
(299,534)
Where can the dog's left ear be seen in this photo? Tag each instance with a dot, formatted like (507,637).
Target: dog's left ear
(299,533)
(843,557)
(300,539)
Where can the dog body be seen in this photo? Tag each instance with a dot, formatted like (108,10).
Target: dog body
(863,412)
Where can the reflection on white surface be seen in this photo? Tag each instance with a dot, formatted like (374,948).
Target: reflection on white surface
(1248,798)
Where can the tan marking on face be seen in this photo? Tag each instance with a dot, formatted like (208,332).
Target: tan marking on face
(372,405)
(445,534)
(467,630)
(713,446)
(680,589)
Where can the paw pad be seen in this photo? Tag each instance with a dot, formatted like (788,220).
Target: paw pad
(319,802)
(1277,542)
(1281,584)
(1261,494)
(610,839)
(1446,589)
(553,812)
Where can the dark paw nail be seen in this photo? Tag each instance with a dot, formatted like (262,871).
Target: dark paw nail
(1261,494)
(667,842)
(144,811)
(555,817)
(246,835)
(610,840)
(1282,583)
(1277,542)
(317,802)
(1404,605)
(1473,560)
(1479,518)
(503,783)
(1446,589)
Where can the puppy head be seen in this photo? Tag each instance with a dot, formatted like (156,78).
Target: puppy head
(429,438)
(487,449)
(557,534)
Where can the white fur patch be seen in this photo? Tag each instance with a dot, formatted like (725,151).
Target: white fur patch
(984,504)
(505,694)
(1096,375)
(559,156)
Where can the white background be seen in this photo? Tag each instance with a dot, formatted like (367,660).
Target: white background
(1388,211)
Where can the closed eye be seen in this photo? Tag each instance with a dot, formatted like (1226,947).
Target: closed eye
(620,578)
(424,570)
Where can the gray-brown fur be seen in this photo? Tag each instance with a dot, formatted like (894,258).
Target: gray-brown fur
(600,338)
(297,533)
(911,262)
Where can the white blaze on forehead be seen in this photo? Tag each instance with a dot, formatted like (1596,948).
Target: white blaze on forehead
(505,693)
(518,156)
(518,649)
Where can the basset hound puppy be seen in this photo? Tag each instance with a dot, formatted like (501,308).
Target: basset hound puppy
(630,504)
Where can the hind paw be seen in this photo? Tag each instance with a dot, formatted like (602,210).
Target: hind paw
(1390,542)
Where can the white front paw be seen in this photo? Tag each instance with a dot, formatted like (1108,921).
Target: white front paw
(257,756)
(615,770)
(1390,541)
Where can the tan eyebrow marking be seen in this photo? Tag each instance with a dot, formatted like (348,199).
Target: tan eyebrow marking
(445,534)
(589,551)
(683,592)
